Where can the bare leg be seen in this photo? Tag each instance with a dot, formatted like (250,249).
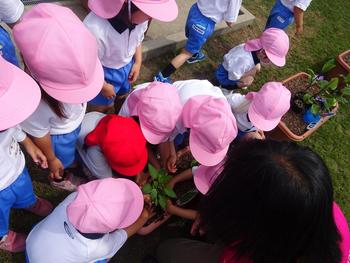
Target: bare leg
(180,59)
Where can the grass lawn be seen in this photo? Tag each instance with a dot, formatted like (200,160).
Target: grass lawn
(327,33)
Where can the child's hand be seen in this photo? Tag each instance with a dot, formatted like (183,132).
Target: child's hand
(195,229)
(141,178)
(56,168)
(171,164)
(134,72)
(147,209)
(108,91)
(38,157)
(245,81)
(299,30)
(229,24)
(170,207)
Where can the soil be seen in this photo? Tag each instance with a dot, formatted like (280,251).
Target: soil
(347,59)
(294,121)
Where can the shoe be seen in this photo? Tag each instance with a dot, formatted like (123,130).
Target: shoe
(159,77)
(196,58)
(42,207)
(70,182)
(13,242)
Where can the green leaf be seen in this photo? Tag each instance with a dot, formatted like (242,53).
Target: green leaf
(146,189)
(165,179)
(333,84)
(152,171)
(347,79)
(308,98)
(330,64)
(343,100)
(162,202)
(323,84)
(169,192)
(331,102)
(315,109)
(154,195)
(345,91)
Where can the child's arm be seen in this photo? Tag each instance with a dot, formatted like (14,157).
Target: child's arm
(108,90)
(135,70)
(146,212)
(181,212)
(171,162)
(184,176)
(299,20)
(55,165)
(34,152)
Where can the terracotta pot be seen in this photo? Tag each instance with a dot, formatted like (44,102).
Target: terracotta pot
(283,133)
(342,68)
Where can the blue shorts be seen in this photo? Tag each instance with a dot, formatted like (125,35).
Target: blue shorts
(221,75)
(198,29)
(119,78)
(280,16)
(7,49)
(64,146)
(19,194)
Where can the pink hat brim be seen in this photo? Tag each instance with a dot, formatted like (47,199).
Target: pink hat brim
(20,100)
(201,179)
(202,156)
(260,123)
(152,137)
(278,61)
(80,94)
(164,12)
(107,10)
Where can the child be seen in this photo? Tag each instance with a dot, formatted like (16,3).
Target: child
(285,12)
(200,25)
(19,97)
(111,145)
(61,55)
(260,111)
(119,41)
(243,61)
(10,13)
(203,177)
(90,225)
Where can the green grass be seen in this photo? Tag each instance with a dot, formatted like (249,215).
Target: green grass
(327,25)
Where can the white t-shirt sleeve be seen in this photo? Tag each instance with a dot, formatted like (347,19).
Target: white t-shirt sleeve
(11,11)
(18,134)
(302,4)
(232,12)
(238,102)
(38,124)
(141,35)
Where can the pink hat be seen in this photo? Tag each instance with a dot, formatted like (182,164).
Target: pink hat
(275,42)
(102,206)
(163,10)
(213,128)
(205,176)
(268,105)
(19,95)
(60,52)
(158,107)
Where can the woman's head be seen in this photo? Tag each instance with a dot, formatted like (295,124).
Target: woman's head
(60,53)
(273,203)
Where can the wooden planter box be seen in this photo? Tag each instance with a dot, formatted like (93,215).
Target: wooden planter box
(282,132)
(342,68)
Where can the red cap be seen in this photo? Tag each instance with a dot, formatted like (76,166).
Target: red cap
(122,142)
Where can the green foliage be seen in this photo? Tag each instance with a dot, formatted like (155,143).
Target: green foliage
(329,95)
(330,64)
(157,189)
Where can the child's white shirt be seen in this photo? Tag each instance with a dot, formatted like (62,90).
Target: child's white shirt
(12,160)
(55,240)
(239,106)
(114,50)
(237,62)
(10,11)
(290,4)
(191,88)
(219,10)
(93,156)
(44,120)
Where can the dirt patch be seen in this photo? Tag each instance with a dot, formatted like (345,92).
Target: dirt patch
(294,121)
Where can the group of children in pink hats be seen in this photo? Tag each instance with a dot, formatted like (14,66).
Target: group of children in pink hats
(69,64)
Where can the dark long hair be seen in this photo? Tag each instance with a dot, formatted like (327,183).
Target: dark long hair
(55,105)
(273,203)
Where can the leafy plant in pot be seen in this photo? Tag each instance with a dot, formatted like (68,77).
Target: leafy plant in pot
(159,192)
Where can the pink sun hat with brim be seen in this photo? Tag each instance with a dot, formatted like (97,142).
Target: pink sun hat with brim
(19,95)
(205,176)
(268,105)
(158,107)
(275,42)
(60,53)
(213,128)
(162,10)
(105,205)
